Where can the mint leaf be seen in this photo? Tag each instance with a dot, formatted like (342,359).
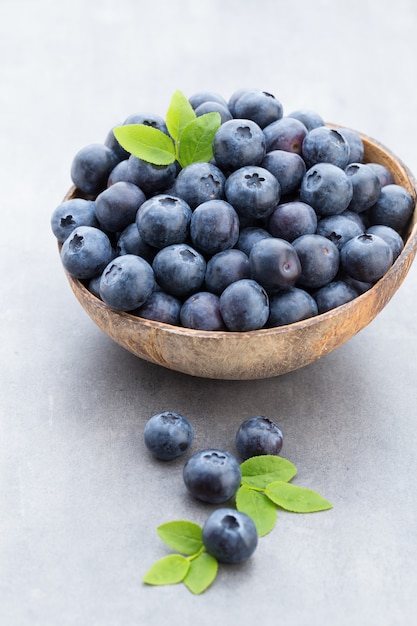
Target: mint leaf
(169,570)
(182,536)
(196,140)
(258,507)
(179,114)
(259,471)
(147,143)
(296,499)
(202,572)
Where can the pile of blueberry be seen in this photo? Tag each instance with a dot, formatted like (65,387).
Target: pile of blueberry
(214,476)
(285,222)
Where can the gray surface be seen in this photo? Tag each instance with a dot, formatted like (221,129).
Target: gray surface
(79,496)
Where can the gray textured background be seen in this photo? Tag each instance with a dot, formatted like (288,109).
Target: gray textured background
(80,498)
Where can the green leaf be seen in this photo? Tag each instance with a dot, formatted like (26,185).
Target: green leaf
(147,143)
(259,471)
(258,507)
(182,536)
(296,499)
(179,114)
(196,139)
(202,572)
(169,570)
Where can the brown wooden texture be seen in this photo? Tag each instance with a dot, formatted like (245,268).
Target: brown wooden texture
(268,352)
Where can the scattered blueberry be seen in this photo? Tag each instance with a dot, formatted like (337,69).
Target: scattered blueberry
(258,435)
(230,536)
(168,435)
(212,475)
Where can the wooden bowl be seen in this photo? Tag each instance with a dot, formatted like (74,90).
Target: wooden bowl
(267,352)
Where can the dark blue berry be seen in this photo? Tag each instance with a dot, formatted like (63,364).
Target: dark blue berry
(274,264)
(325,145)
(230,536)
(366,258)
(258,435)
(319,258)
(163,220)
(244,305)
(334,294)
(201,311)
(253,191)
(237,143)
(86,252)
(70,214)
(168,435)
(127,282)
(291,305)
(212,475)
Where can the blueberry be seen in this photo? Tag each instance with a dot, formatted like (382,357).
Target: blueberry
(248,236)
(147,119)
(310,119)
(237,143)
(160,307)
(290,220)
(244,305)
(339,229)
(365,186)
(258,435)
(214,107)
(334,294)
(259,106)
(112,143)
(91,167)
(230,536)
(116,206)
(235,97)
(201,97)
(291,305)
(287,167)
(179,269)
(356,147)
(168,435)
(393,208)
(225,268)
(70,214)
(214,227)
(200,182)
(366,258)
(325,145)
(201,311)
(390,235)
(120,172)
(129,241)
(86,252)
(319,258)
(253,191)
(149,177)
(212,475)
(127,282)
(383,173)
(163,220)
(286,133)
(274,264)
(327,188)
